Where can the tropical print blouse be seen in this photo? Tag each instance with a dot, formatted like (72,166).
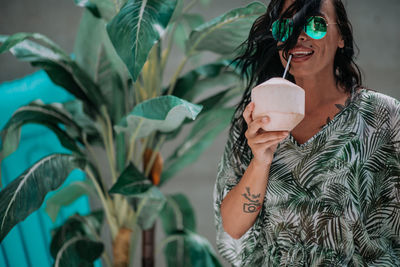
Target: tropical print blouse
(332,201)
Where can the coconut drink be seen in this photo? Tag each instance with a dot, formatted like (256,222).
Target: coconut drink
(281,100)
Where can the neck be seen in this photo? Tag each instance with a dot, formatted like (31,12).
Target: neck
(319,91)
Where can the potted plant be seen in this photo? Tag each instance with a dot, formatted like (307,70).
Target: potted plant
(125,107)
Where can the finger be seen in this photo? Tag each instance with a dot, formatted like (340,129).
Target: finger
(269,136)
(267,145)
(255,125)
(247,113)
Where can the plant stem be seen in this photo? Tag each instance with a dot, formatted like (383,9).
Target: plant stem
(93,155)
(116,4)
(122,213)
(148,246)
(109,143)
(134,238)
(107,259)
(132,141)
(111,221)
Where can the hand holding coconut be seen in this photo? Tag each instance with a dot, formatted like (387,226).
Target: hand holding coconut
(263,144)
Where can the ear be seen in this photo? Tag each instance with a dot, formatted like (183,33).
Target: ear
(341,42)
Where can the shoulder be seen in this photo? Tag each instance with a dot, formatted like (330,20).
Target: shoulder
(380,111)
(379,100)
(376,105)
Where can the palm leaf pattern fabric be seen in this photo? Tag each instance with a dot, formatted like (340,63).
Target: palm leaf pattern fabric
(332,201)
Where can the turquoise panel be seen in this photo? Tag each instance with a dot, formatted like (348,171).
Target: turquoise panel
(28,243)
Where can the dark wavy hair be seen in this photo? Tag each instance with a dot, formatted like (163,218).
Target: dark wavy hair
(259,59)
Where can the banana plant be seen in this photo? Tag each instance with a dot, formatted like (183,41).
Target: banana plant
(126,107)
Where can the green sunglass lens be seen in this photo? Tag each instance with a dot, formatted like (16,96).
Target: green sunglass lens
(316,27)
(282,29)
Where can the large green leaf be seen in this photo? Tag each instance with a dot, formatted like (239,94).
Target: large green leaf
(61,69)
(26,193)
(47,115)
(131,182)
(197,251)
(178,214)
(68,195)
(150,205)
(164,113)
(76,242)
(94,51)
(136,28)
(225,33)
(205,130)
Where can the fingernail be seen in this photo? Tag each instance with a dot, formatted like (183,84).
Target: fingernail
(265,119)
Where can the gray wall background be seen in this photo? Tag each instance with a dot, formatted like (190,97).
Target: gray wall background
(376,30)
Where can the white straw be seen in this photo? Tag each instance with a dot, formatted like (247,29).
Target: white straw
(287,66)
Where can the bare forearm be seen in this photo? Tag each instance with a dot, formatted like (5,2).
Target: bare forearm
(242,204)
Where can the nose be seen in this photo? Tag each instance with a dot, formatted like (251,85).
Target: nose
(303,36)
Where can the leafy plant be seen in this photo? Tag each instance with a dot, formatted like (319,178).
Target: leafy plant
(125,106)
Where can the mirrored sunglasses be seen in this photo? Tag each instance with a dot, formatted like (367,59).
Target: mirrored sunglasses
(315,27)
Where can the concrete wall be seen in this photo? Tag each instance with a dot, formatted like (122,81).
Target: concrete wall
(376,30)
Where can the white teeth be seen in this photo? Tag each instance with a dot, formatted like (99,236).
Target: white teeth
(300,53)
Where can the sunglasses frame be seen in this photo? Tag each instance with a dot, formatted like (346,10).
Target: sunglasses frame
(304,27)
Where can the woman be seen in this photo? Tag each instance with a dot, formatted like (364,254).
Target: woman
(328,192)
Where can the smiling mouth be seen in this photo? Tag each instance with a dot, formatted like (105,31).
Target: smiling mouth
(302,54)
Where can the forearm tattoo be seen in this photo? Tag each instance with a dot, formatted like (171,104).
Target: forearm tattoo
(253,202)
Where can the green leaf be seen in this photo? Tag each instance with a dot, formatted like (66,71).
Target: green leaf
(76,242)
(78,251)
(68,195)
(164,113)
(225,33)
(62,70)
(94,51)
(178,214)
(136,28)
(203,133)
(26,193)
(47,115)
(17,38)
(180,36)
(90,6)
(193,20)
(197,251)
(150,205)
(131,182)
(203,78)
(184,26)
